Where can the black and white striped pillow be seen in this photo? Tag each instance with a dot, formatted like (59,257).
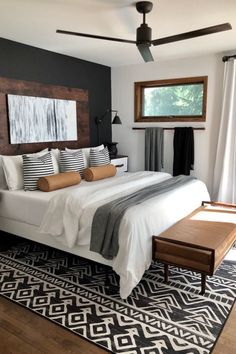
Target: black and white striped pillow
(35,167)
(72,161)
(99,157)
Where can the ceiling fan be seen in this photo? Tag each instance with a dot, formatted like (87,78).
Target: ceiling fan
(144,33)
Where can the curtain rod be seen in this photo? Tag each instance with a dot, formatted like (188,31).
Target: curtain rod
(136,128)
(227,57)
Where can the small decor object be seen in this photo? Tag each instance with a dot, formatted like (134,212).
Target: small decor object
(112,148)
(37,119)
(58,181)
(99,172)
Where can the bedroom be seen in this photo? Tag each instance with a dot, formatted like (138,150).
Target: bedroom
(29,51)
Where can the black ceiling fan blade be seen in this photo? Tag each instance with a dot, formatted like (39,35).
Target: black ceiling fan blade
(95,36)
(192,34)
(145,52)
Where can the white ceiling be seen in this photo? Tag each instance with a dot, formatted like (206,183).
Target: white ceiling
(34,22)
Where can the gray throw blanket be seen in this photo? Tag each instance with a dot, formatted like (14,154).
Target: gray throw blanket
(154,149)
(107,218)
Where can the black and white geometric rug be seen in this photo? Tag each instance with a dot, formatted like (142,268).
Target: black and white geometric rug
(156,318)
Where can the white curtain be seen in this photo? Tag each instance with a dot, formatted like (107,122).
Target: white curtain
(224,184)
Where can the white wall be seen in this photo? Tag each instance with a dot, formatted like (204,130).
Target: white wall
(131,142)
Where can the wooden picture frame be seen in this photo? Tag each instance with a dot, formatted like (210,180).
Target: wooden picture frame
(139,88)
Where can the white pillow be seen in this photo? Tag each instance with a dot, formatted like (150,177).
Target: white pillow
(3,183)
(86,152)
(13,170)
(55,154)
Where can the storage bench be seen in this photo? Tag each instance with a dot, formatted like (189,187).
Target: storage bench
(199,242)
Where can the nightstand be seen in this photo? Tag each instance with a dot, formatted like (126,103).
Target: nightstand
(121,163)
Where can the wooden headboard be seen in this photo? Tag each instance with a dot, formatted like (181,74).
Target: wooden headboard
(28,88)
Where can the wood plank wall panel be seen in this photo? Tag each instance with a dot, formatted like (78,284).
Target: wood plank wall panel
(28,88)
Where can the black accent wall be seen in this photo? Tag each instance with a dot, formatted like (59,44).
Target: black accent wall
(23,62)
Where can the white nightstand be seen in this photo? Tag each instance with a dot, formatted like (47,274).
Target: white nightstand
(121,163)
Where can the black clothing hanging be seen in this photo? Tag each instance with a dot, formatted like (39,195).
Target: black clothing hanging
(183,151)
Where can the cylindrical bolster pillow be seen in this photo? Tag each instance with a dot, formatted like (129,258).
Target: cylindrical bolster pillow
(60,180)
(99,172)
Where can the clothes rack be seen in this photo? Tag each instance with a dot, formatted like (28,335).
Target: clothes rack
(165,128)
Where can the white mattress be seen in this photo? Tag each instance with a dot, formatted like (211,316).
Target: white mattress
(28,207)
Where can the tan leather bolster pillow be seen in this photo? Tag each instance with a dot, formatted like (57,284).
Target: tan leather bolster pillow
(60,180)
(99,172)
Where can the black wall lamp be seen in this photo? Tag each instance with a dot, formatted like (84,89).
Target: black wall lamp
(99,120)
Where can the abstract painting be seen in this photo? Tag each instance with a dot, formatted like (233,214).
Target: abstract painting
(37,119)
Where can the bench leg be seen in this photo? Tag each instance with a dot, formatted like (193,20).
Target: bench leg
(203,284)
(166,272)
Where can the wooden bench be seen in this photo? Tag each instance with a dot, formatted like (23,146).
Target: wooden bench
(198,242)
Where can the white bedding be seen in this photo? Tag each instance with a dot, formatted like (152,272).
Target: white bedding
(69,218)
(28,207)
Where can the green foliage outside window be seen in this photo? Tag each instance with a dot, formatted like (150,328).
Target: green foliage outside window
(177,100)
(171,100)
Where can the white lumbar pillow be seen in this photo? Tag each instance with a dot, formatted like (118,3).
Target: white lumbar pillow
(13,170)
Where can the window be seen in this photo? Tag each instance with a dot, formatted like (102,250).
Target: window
(171,100)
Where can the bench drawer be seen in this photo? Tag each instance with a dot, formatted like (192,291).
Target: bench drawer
(189,257)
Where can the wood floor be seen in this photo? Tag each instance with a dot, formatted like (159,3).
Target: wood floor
(23,332)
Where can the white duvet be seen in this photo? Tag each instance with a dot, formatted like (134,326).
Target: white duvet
(69,217)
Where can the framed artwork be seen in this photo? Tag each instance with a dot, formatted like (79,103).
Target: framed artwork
(38,119)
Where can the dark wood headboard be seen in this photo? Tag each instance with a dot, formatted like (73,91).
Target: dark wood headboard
(28,88)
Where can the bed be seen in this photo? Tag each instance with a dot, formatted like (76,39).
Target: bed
(63,218)
(27,213)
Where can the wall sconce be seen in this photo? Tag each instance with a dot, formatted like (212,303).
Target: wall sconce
(116,119)
(99,120)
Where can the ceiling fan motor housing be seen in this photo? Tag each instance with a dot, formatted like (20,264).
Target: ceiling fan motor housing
(144,34)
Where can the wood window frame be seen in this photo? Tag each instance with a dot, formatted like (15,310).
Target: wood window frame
(138,100)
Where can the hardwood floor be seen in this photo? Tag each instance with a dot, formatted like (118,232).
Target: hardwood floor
(226,343)
(22,331)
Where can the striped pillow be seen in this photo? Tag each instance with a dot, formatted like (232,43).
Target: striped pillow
(99,157)
(72,161)
(35,167)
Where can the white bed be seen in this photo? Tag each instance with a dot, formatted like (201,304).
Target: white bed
(63,218)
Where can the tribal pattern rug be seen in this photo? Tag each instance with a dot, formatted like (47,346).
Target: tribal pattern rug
(156,318)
